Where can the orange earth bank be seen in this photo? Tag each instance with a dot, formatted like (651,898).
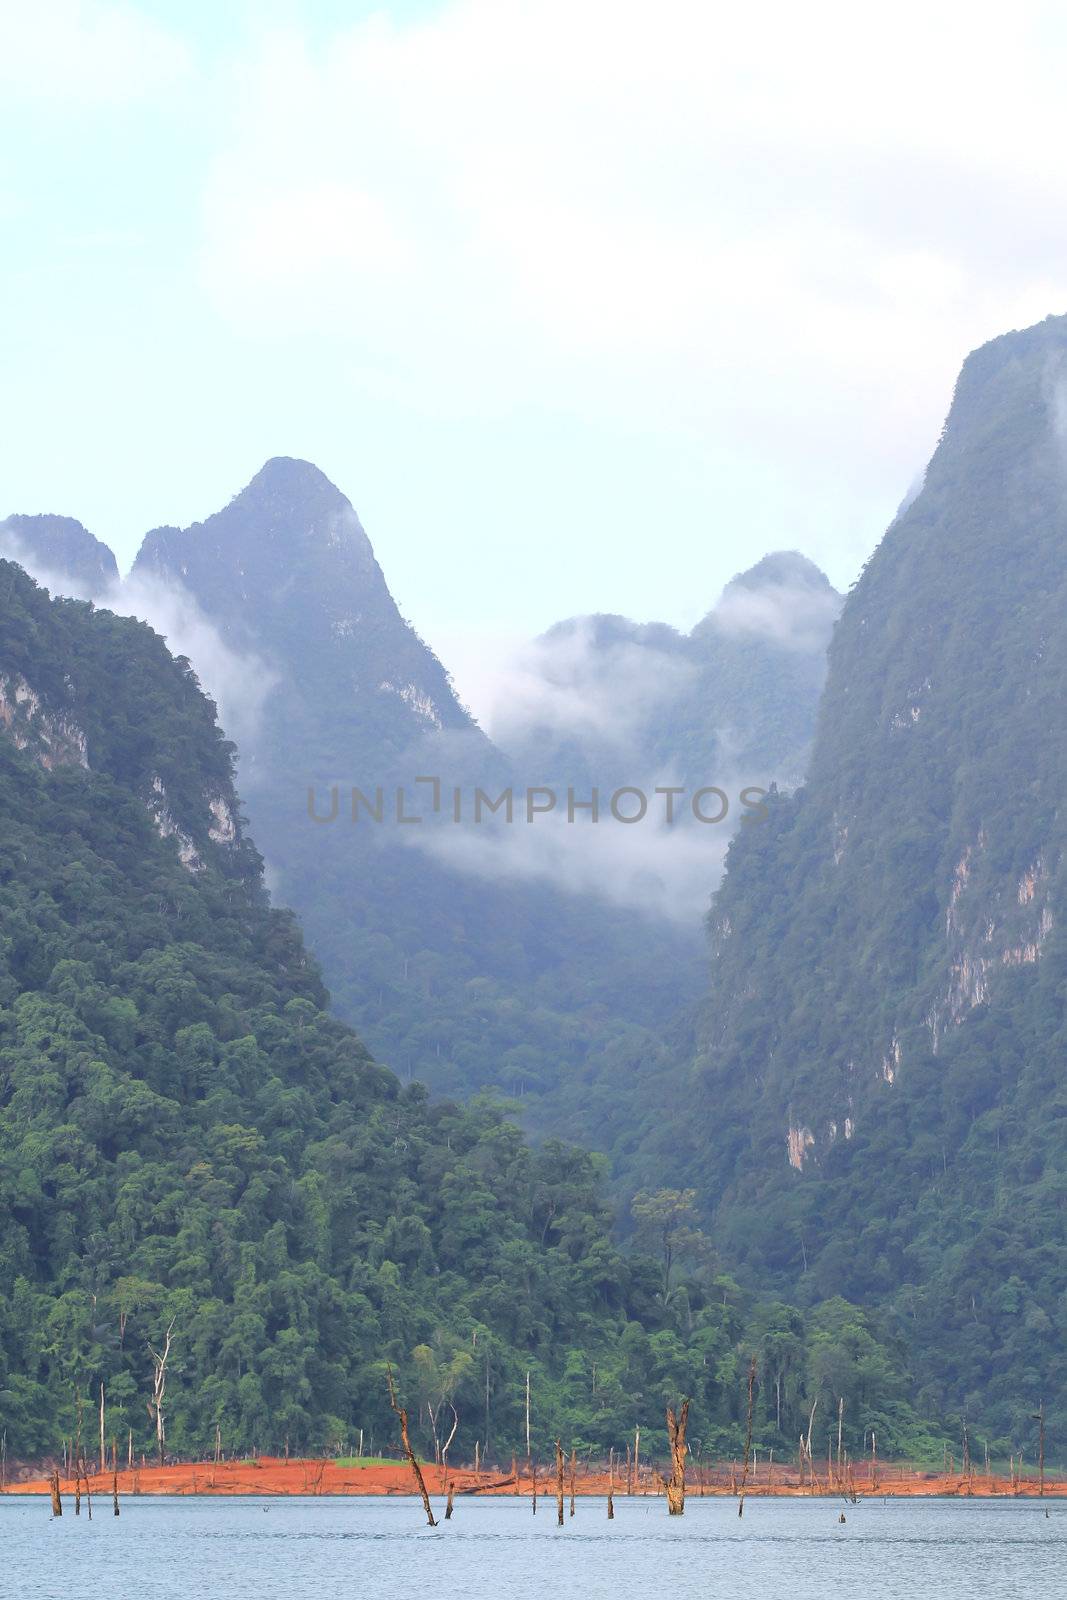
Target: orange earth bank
(274,1476)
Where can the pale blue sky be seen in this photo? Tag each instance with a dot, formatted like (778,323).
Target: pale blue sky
(585,305)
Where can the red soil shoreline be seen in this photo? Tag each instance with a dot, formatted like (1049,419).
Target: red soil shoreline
(273,1476)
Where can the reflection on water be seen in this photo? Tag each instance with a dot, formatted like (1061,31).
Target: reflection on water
(185,1549)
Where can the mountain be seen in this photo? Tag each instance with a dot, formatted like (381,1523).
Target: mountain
(453,971)
(288,566)
(607,700)
(63,548)
(880,1082)
(555,962)
(192,1147)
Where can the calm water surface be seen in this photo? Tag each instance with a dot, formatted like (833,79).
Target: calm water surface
(186,1549)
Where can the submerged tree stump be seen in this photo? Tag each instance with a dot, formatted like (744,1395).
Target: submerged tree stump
(675,1484)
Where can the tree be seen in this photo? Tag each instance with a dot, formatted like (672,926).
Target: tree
(666,1220)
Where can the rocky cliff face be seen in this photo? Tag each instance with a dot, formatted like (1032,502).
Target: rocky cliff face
(155,735)
(52,736)
(882,1044)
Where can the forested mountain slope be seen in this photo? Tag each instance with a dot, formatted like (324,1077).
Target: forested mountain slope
(881,1089)
(188,1140)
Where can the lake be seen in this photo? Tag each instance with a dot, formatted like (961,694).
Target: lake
(286,1549)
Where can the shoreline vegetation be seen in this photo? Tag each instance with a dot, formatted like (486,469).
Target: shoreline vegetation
(274,1476)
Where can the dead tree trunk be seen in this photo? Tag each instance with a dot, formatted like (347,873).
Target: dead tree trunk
(57,1504)
(1039,1417)
(676,1429)
(77,1454)
(559,1483)
(611,1485)
(572,1482)
(748,1437)
(115,1476)
(159,1386)
(88,1491)
(807,1447)
(448,1442)
(408,1451)
(448,1505)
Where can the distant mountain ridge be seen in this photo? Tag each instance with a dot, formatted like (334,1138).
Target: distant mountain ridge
(62,546)
(612,700)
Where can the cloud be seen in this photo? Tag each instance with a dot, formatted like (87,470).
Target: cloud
(595,693)
(778,222)
(796,616)
(666,872)
(575,683)
(64,52)
(622,701)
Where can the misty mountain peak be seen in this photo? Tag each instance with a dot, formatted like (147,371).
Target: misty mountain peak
(783,568)
(286,571)
(603,630)
(288,480)
(287,528)
(293,501)
(62,549)
(785,600)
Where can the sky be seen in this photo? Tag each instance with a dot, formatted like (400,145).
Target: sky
(585,304)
